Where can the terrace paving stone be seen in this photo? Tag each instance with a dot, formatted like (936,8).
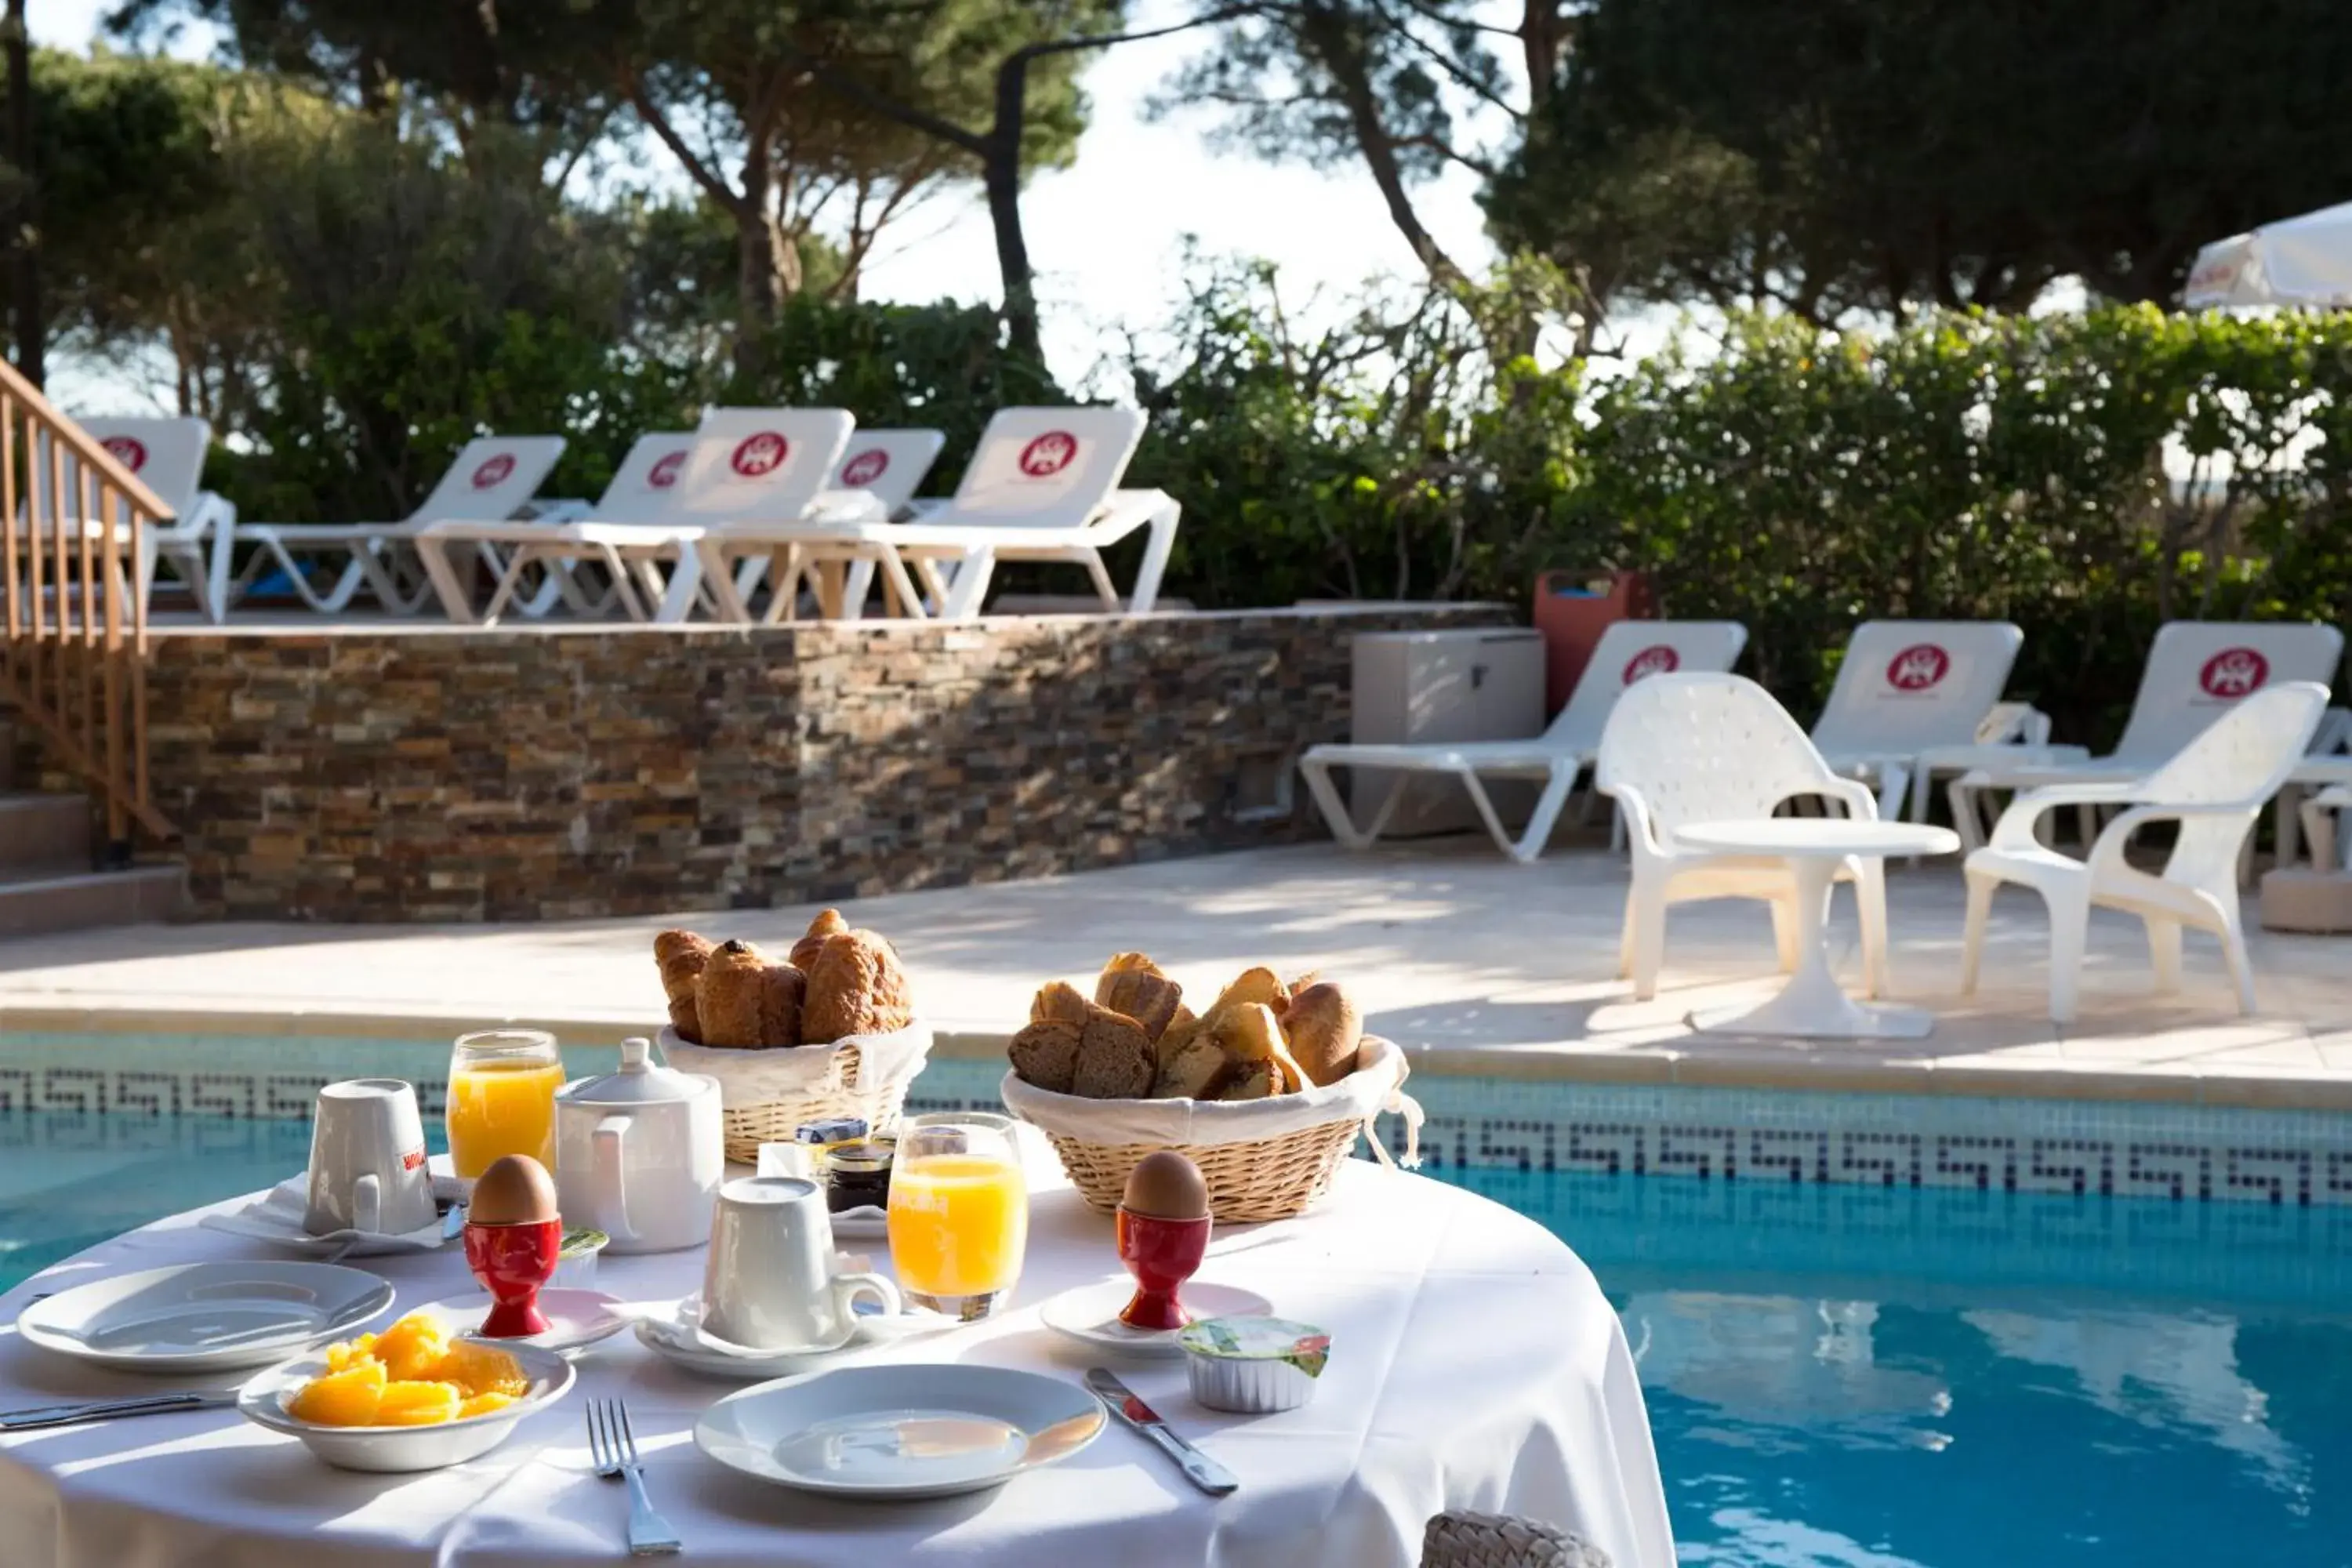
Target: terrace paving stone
(1474,963)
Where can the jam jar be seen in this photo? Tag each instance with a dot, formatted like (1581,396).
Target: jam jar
(856,1176)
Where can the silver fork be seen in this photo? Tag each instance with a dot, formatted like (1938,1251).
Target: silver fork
(614,1448)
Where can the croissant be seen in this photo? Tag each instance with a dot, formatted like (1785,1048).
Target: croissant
(804,951)
(681,955)
(729,997)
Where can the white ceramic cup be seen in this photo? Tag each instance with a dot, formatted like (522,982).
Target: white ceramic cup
(771,1281)
(367,1160)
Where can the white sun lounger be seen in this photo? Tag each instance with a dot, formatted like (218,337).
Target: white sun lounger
(890,466)
(493,476)
(168,457)
(1907,689)
(644,492)
(1043,486)
(751,464)
(1627,652)
(2197,671)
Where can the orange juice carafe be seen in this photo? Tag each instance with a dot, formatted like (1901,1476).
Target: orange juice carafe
(959,1218)
(503,1085)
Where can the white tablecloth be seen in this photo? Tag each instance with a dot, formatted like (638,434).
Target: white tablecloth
(1474,1364)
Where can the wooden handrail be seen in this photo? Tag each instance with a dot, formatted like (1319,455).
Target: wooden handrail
(74,661)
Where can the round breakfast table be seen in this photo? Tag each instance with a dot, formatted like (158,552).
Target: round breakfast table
(1474,1364)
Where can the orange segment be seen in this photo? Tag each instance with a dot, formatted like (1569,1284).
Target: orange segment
(477,1368)
(483,1403)
(412,1347)
(416,1403)
(345,1398)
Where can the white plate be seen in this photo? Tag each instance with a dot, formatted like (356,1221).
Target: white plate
(575,1319)
(262,1401)
(865,1223)
(1089,1314)
(277,1216)
(199,1316)
(894,1431)
(676,1334)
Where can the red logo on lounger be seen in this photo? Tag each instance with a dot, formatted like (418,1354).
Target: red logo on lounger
(1919,667)
(1657,659)
(493,471)
(756,457)
(2233,672)
(1049,454)
(127,451)
(664,474)
(865,469)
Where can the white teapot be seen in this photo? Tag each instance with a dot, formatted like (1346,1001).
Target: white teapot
(639,1154)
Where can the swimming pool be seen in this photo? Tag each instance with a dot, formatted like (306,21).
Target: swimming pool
(1838,1376)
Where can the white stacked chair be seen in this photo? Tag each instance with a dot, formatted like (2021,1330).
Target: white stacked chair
(1680,750)
(168,457)
(1907,690)
(2213,788)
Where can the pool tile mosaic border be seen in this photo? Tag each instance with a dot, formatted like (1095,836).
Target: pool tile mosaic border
(2181,1152)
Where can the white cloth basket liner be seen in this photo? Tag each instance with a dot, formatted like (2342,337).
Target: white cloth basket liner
(1376,1086)
(796,1072)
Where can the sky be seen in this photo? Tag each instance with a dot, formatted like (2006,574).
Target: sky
(1107,235)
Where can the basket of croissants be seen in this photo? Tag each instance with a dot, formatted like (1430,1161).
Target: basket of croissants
(1266,1089)
(829,1030)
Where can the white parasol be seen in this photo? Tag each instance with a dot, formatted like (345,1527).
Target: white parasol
(2303,260)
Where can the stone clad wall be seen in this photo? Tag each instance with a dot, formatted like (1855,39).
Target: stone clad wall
(552,773)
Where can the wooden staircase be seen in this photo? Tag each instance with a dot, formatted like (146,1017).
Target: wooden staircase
(47,848)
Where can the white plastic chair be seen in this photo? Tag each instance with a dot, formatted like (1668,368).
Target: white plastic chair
(2327,764)
(750,464)
(2331,851)
(1043,486)
(644,493)
(1907,688)
(1680,750)
(2196,671)
(1627,652)
(168,457)
(2213,788)
(493,476)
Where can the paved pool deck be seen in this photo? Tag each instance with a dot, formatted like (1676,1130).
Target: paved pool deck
(1474,963)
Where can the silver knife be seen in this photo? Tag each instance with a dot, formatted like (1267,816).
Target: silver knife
(1199,1468)
(38,1416)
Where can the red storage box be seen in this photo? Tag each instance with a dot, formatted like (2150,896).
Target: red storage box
(1572,609)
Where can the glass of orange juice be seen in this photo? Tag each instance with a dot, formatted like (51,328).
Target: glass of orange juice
(958,1216)
(503,1085)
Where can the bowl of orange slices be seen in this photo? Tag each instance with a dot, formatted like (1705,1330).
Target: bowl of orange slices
(414,1397)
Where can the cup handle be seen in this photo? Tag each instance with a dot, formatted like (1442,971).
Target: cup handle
(611,1196)
(367,1202)
(847,1288)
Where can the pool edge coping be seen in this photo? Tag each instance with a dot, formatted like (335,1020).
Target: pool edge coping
(1655,1066)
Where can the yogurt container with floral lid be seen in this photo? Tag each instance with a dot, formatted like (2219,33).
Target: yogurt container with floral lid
(1253,1365)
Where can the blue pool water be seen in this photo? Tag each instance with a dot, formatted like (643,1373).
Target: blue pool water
(1838,1377)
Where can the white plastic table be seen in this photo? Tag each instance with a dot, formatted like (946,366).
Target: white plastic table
(1474,1364)
(1812,1005)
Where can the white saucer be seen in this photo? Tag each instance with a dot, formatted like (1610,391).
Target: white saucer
(277,1218)
(865,1223)
(202,1317)
(575,1319)
(884,1431)
(677,1336)
(1089,1314)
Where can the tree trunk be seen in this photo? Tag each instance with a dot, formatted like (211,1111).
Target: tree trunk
(1324,34)
(31,329)
(767,262)
(1001,173)
(1543,36)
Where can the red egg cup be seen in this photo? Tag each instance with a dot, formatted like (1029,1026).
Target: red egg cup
(512,1261)
(1162,1254)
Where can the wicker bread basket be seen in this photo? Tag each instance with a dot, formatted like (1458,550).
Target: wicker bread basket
(765,1096)
(1263,1159)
